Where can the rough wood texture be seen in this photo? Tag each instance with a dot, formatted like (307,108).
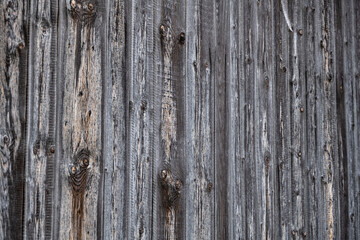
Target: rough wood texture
(179,119)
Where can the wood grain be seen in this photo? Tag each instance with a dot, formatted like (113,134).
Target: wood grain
(179,119)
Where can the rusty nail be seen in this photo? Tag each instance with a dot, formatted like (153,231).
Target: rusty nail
(163,174)
(52,150)
(301,109)
(6,139)
(91,7)
(73,4)
(300,32)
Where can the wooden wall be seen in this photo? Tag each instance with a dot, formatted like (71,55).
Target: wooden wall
(179,119)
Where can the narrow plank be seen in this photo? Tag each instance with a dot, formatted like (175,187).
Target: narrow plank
(114,168)
(283,111)
(341,123)
(81,119)
(140,164)
(199,122)
(310,113)
(298,152)
(171,164)
(237,26)
(13,81)
(40,164)
(349,88)
(221,129)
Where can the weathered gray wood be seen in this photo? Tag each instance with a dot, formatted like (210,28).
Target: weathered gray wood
(179,119)
(13,86)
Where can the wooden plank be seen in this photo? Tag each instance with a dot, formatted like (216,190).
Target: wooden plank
(114,168)
(40,166)
(199,120)
(170,173)
(220,120)
(81,118)
(179,119)
(13,83)
(140,163)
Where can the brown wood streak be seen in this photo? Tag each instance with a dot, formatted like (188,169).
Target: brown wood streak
(78,181)
(84,14)
(171,188)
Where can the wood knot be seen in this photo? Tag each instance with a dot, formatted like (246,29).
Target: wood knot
(78,172)
(182,38)
(6,139)
(163,30)
(171,188)
(209,187)
(83,11)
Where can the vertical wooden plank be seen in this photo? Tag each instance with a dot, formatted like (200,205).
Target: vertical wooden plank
(310,112)
(199,120)
(349,87)
(171,160)
(13,83)
(114,169)
(341,123)
(297,149)
(283,71)
(81,118)
(220,120)
(140,162)
(356,111)
(41,164)
(237,28)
